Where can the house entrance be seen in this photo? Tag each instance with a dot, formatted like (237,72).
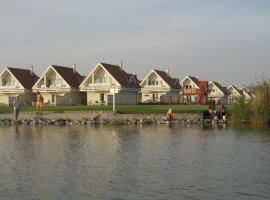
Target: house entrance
(102,99)
(155,97)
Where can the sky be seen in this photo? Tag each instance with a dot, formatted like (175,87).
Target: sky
(220,40)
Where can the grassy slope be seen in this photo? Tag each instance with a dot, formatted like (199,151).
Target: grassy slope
(120,108)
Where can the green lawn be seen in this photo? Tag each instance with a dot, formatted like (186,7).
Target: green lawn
(120,108)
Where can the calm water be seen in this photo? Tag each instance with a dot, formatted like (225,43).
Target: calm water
(129,162)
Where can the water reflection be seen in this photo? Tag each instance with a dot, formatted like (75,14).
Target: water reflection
(134,162)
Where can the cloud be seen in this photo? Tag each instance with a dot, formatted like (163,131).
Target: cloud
(224,40)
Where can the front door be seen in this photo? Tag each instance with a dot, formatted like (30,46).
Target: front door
(102,99)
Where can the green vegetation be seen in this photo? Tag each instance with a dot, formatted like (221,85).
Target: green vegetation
(127,109)
(240,110)
(260,106)
(255,111)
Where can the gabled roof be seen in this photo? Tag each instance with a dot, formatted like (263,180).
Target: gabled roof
(220,87)
(201,84)
(235,88)
(73,78)
(122,77)
(26,78)
(243,90)
(172,82)
(193,79)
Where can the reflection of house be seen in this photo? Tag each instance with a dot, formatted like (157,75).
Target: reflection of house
(106,77)
(233,94)
(14,82)
(217,93)
(60,85)
(246,94)
(194,90)
(159,86)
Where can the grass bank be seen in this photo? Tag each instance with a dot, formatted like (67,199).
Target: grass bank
(126,109)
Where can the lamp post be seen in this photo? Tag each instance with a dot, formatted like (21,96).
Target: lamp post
(113,91)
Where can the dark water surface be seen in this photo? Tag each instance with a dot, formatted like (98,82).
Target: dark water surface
(134,162)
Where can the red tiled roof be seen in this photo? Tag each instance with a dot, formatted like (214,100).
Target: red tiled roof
(73,78)
(121,76)
(172,82)
(24,76)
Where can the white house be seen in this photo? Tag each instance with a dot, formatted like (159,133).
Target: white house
(159,86)
(60,85)
(194,90)
(233,94)
(107,77)
(217,92)
(246,94)
(17,82)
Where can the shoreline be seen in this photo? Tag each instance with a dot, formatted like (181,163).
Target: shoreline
(100,117)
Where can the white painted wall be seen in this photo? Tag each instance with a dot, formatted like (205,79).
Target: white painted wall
(123,97)
(25,99)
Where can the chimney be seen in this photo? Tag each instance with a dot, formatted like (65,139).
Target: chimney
(31,69)
(74,67)
(167,71)
(197,77)
(121,64)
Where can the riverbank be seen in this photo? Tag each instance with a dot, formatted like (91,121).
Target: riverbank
(101,117)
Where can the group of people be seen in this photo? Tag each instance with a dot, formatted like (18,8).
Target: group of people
(39,105)
(217,114)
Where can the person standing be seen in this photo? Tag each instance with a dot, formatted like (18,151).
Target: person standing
(40,102)
(16,106)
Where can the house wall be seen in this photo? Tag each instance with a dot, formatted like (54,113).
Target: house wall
(94,97)
(69,98)
(220,100)
(123,97)
(100,76)
(217,95)
(153,79)
(189,84)
(148,96)
(189,98)
(51,79)
(4,99)
(233,95)
(25,98)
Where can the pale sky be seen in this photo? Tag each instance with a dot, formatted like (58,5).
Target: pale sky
(222,40)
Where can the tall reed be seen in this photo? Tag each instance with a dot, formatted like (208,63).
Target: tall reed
(260,105)
(241,110)
(256,110)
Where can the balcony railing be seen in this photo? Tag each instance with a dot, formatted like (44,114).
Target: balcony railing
(6,87)
(154,88)
(97,86)
(191,91)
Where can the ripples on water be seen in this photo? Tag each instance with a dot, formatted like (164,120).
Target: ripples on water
(134,162)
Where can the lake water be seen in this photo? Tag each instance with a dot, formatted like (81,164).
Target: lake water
(134,162)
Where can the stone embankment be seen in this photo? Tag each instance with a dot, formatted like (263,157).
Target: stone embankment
(106,118)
